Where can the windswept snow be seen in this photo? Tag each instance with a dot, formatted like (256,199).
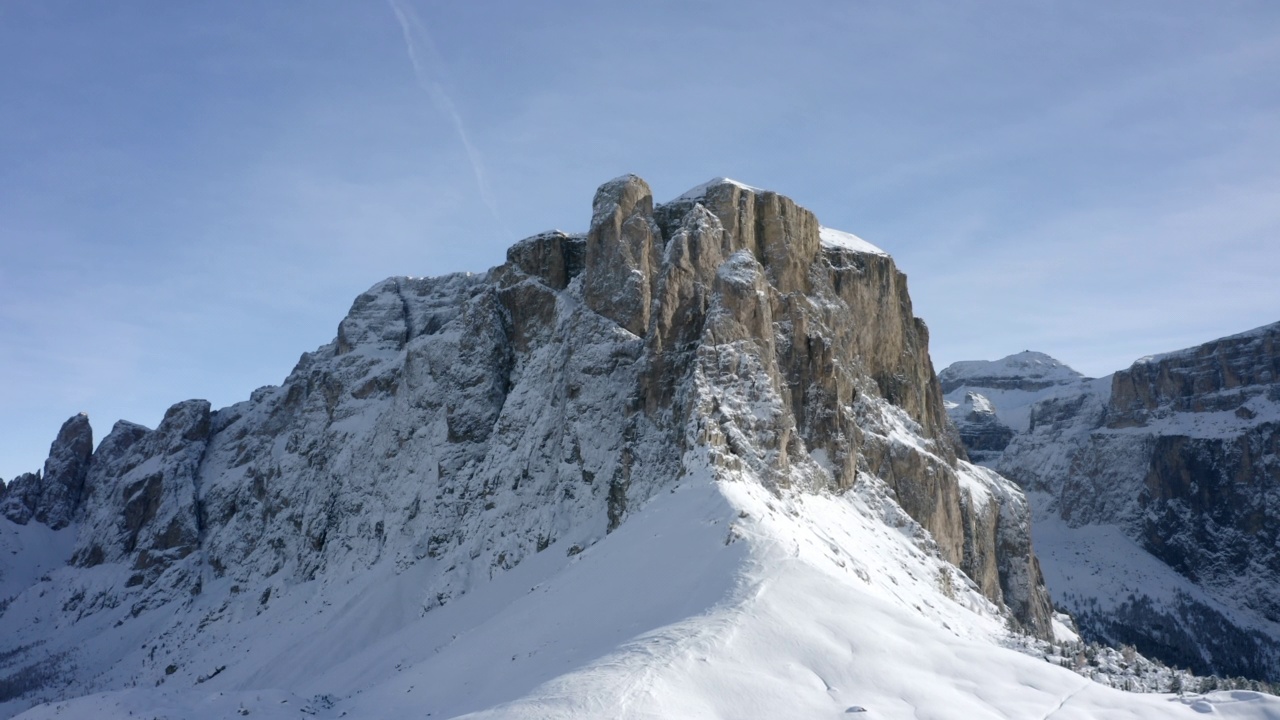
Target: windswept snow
(701,190)
(848,241)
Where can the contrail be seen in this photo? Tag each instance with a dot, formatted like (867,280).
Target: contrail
(417,38)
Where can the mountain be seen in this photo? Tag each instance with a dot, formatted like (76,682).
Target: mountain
(1156,493)
(691,463)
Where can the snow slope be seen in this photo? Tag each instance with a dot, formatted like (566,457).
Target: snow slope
(1027,365)
(28,552)
(1099,567)
(718,600)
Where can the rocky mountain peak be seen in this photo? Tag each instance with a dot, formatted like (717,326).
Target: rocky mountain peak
(460,426)
(978,406)
(53,497)
(622,253)
(699,192)
(1027,371)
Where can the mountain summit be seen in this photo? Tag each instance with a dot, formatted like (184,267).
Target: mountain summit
(693,462)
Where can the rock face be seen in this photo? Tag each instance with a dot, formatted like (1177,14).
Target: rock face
(1225,374)
(622,253)
(54,497)
(468,422)
(143,509)
(1181,453)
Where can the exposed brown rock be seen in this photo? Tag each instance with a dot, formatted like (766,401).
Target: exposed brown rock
(622,253)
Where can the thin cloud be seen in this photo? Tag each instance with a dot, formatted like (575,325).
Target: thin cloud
(1138,93)
(418,42)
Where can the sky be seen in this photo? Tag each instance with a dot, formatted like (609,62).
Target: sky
(192,194)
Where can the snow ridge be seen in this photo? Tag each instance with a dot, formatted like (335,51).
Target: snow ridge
(848,241)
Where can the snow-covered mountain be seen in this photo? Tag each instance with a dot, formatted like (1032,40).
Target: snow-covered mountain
(1156,494)
(1007,387)
(693,463)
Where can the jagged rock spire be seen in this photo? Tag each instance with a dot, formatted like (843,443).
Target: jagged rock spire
(53,497)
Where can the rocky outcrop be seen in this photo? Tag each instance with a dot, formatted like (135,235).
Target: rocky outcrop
(1221,375)
(469,422)
(19,498)
(143,507)
(622,253)
(1209,419)
(54,496)
(990,402)
(999,522)
(1191,437)
(1208,510)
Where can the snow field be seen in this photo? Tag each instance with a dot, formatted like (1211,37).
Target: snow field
(716,600)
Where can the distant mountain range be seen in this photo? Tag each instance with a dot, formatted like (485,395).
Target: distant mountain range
(1156,492)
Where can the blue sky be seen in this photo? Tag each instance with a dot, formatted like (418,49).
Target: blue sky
(191,195)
